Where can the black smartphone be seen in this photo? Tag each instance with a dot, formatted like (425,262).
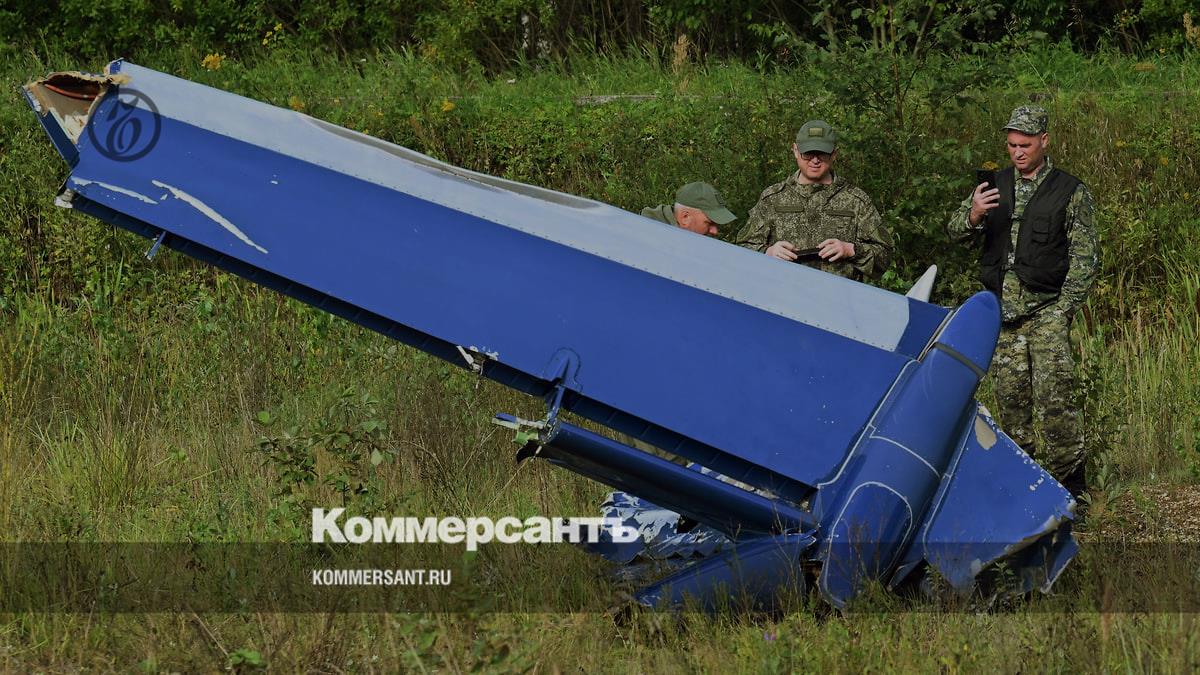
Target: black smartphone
(807,255)
(985,176)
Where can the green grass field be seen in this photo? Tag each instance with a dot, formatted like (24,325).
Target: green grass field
(135,397)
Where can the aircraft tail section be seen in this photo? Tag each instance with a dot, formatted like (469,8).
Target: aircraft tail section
(996,504)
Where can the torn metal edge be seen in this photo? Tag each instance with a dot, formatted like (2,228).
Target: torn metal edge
(60,94)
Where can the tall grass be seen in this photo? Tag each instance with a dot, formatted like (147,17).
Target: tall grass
(131,393)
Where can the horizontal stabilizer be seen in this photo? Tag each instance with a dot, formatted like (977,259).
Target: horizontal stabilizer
(997,504)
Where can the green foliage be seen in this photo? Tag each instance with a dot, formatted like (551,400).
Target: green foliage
(895,72)
(500,33)
(242,660)
(341,450)
(495,32)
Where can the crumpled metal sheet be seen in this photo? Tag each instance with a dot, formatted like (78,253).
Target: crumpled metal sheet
(659,535)
(663,533)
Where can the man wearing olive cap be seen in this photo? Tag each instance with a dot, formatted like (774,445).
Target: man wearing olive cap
(818,218)
(1040,257)
(698,208)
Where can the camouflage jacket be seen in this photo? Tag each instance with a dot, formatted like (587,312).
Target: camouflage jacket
(663,212)
(806,215)
(1083,249)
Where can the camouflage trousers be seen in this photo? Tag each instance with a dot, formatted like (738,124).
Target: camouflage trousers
(1033,372)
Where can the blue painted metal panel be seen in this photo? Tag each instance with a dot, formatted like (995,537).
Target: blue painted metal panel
(999,501)
(752,576)
(924,320)
(879,501)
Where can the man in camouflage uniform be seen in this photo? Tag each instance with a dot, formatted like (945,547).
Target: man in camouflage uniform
(698,208)
(1040,256)
(818,218)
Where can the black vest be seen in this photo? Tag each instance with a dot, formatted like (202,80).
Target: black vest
(1041,259)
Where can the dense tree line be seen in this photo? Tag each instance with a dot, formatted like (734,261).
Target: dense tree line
(501,32)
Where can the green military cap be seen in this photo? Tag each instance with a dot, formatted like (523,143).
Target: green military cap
(816,135)
(706,198)
(1028,119)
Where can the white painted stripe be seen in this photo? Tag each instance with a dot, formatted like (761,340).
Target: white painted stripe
(870,426)
(210,213)
(82,182)
(832,528)
(911,452)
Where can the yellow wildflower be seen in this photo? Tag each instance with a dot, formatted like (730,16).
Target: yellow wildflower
(272,36)
(447,105)
(296,104)
(213,61)
(1120,143)
(990,165)
(1162,159)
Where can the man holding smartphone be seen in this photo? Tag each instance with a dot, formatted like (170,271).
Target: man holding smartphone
(818,218)
(1040,256)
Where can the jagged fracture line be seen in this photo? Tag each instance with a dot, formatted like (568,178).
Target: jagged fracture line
(208,211)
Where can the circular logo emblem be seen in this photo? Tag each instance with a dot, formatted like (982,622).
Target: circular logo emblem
(129,126)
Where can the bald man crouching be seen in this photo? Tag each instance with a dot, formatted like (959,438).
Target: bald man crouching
(698,208)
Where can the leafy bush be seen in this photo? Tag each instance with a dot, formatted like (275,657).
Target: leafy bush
(500,33)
